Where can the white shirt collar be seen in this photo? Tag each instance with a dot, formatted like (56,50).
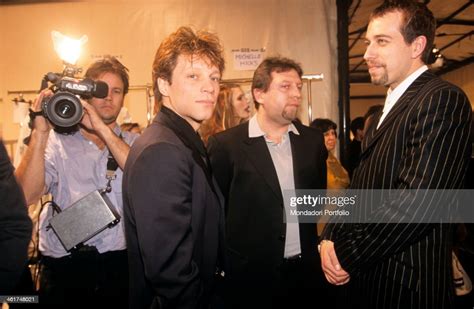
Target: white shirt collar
(256,131)
(395,94)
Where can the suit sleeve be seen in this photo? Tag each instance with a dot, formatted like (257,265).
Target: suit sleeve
(160,192)
(15,226)
(434,158)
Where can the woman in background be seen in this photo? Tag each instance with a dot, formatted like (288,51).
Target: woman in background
(232,108)
(338,178)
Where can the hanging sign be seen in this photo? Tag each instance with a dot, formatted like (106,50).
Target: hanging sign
(247,58)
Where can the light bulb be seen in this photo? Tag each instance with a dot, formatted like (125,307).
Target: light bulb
(68,49)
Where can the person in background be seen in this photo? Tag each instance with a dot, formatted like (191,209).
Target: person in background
(357,129)
(337,176)
(374,111)
(69,167)
(232,109)
(131,127)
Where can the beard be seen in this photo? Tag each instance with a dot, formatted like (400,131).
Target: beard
(289,113)
(379,80)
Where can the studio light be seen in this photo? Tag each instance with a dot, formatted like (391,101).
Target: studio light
(67,48)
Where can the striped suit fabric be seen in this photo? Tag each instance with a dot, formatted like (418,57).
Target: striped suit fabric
(423,143)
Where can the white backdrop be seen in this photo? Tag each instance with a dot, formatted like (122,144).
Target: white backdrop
(304,30)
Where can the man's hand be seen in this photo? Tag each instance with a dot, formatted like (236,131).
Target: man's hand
(92,120)
(40,123)
(330,264)
(31,170)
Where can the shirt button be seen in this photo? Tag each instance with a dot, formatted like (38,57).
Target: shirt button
(282,237)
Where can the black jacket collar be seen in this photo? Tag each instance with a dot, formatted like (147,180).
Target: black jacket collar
(183,129)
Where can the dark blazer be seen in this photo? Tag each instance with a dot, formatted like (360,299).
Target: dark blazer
(421,144)
(255,228)
(173,217)
(15,226)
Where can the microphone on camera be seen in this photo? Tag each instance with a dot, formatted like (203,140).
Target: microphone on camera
(100,89)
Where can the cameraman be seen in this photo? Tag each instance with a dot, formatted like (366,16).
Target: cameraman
(70,167)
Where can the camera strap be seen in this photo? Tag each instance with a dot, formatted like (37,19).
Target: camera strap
(112,166)
(33,114)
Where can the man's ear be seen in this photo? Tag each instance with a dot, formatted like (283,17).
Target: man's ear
(163,86)
(259,96)
(418,46)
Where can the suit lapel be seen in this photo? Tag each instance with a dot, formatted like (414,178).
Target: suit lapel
(191,140)
(297,144)
(402,103)
(257,151)
(371,130)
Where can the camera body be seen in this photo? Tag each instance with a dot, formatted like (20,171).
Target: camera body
(64,109)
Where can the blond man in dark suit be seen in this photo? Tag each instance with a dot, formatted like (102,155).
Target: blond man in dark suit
(173,210)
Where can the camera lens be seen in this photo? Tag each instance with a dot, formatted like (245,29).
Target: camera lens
(63,109)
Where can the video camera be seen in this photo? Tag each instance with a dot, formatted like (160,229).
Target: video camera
(64,109)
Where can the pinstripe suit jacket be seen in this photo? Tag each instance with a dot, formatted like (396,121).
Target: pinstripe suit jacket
(421,144)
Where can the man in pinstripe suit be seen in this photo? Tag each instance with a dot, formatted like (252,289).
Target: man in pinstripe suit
(419,141)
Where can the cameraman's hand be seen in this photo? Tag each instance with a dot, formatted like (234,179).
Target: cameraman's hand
(91,119)
(41,124)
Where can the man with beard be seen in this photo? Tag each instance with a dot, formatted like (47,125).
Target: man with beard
(419,142)
(271,264)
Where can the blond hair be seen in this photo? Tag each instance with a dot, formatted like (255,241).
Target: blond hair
(184,42)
